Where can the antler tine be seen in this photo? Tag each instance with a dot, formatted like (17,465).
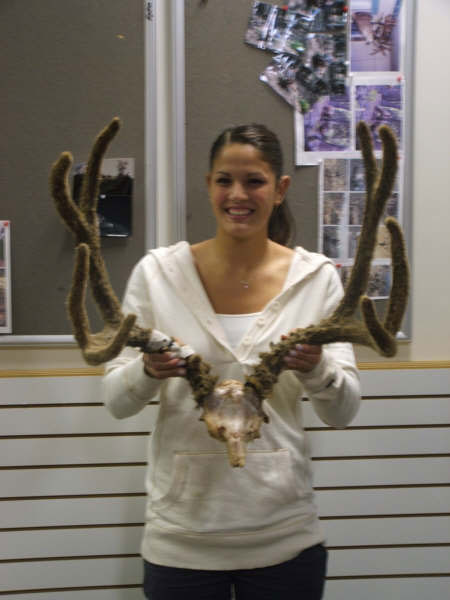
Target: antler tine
(119,330)
(91,180)
(60,191)
(82,220)
(377,194)
(100,347)
(400,278)
(369,160)
(75,302)
(342,325)
(104,296)
(382,335)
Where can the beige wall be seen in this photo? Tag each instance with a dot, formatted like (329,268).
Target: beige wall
(430,250)
(431,202)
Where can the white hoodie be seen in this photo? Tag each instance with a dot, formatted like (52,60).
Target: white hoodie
(202,513)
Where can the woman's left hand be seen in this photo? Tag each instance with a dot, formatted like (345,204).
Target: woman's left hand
(303,358)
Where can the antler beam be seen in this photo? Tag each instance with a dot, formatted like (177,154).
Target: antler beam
(119,330)
(343,325)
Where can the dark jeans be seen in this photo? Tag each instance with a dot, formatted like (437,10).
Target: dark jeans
(302,578)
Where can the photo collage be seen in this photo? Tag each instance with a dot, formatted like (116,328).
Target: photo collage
(309,46)
(337,63)
(342,210)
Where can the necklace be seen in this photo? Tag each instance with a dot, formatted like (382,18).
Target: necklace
(244,283)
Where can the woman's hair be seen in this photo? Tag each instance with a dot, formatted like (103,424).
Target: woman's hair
(267,143)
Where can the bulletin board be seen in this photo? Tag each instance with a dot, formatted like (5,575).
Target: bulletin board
(224,87)
(67,69)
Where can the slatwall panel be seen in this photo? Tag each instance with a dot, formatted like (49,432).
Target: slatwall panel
(383,489)
(72,490)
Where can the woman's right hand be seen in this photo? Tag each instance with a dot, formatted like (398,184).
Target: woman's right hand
(161,365)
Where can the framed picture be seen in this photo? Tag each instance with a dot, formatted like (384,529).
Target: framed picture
(5,277)
(115,195)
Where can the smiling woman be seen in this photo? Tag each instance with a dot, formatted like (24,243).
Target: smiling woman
(198,532)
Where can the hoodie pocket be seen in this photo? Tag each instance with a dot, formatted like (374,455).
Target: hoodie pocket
(207,495)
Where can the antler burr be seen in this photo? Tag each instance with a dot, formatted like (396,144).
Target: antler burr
(232,410)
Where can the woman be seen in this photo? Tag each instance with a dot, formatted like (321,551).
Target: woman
(209,526)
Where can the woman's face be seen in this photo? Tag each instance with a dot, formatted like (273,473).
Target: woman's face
(243,190)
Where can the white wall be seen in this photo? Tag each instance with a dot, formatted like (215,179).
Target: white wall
(430,250)
(431,184)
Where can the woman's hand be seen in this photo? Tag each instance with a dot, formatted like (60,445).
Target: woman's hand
(161,365)
(303,358)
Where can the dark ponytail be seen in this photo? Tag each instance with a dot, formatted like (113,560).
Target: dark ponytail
(267,143)
(281,221)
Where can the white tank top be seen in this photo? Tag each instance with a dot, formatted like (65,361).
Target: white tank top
(236,326)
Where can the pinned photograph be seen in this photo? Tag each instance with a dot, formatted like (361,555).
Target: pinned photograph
(357,175)
(379,283)
(259,24)
(383,245)
(321,16)
(342,205)
(335,174)
(380,105)
(323,71)
(282,76)
(309,44)
(392,207)
(380,280)
(333,208)
(331,241)
(375,35)
(295,34)
(5,277)
(278,32)
(353,238)
(115,195)
(328,125)
(357,203)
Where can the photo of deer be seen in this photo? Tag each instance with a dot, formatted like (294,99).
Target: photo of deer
(375,36)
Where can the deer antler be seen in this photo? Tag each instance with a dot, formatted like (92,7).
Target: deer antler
(119,330)
(232,410)
(342,325)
